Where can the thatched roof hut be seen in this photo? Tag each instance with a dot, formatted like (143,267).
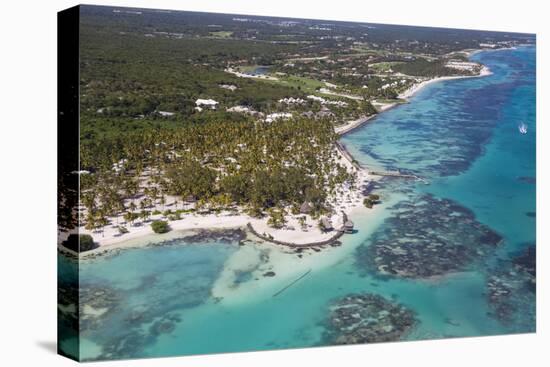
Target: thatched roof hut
(348,226)
(326,224)
(306,208)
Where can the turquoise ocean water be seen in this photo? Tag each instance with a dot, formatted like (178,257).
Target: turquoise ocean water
(460,135)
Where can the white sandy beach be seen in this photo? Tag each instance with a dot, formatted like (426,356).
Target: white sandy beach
(350,125)
(417,87)
(345,200)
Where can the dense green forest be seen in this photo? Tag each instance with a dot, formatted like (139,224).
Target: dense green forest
(128,76)
(423,67)
(317,36)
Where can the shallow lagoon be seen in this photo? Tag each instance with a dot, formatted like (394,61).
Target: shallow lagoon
(461,135)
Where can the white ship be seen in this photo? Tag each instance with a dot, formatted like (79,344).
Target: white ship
(522,128)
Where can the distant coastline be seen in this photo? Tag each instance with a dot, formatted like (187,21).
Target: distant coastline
(406,95)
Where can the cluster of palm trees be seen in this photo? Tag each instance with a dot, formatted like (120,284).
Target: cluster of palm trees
(215,165)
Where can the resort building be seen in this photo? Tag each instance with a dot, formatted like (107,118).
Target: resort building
(165,113)
(326,224)
(348,226)
(306,208)
(278,115)
(206,103)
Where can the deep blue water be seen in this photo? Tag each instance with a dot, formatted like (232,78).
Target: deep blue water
(461,136)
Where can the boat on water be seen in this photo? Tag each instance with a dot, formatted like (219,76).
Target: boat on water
(522,128)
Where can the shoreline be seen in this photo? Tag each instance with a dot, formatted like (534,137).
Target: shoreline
(141,240)
(409,93)
(405,96)
(145,240)
(342,202)
(354,124)
(288,234)
(293,232)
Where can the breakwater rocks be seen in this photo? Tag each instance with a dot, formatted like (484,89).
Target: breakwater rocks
(424,238)
(231,235)
(511,291)
(367,318)
(315,246)
(198,236)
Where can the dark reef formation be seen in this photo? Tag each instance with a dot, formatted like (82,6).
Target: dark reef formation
(367,318)
(511,291)
(94,303)
(425,238)
(67,305)
(230,235)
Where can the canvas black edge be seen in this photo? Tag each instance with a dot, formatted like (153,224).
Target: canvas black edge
(68,22)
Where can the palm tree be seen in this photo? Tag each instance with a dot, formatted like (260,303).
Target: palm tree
(162,201)
(144,214)
(90,222)
(102,221)
(129,217)
(302,221)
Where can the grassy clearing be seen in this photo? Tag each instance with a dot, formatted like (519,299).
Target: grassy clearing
(383,66)
(221,34)
(306,85)
(364,51)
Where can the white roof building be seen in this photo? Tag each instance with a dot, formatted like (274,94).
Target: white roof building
(462,65)
(206,103)
(165,113)
(326,101)
(315,98)
(242,109)
(292,100)
(230,87)
(278,115)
